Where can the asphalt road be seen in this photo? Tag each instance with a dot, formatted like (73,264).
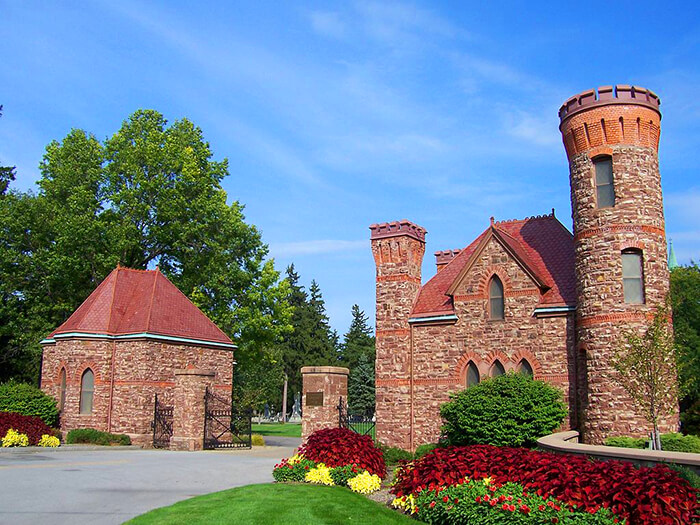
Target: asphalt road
(109,485)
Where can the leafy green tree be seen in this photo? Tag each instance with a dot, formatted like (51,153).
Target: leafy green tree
(258,377)
(646,367)
(685,303)
(151,194)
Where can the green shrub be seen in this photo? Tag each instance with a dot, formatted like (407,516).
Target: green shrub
(392,455)
(626,442)
(341,475)
(680,443)
(690,419)
(28,400)
(257,440)
(422,450)
(96,437)
(689,475)
(511,410)
(670,442)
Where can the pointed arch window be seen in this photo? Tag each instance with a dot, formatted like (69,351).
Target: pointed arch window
(87,389)
(496,303)
(62,388)
(525,368)
(473,377)
(497,369)
(604,185)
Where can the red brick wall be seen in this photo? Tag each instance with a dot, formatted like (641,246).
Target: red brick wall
(600,234)
(332,382)
(441,353)
(141,369)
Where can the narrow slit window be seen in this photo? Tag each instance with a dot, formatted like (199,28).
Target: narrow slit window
(632,277)
(87,389)
(497,369)
(605,188)
(525,368)
(496,303)
(62,386)
(472,374)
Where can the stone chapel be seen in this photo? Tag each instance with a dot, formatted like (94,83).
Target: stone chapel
(528,295)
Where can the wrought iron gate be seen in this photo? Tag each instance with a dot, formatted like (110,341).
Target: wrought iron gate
(360,423)
(224,425)
(162,424)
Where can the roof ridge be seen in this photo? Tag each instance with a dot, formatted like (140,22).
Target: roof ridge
(530,218)
(114,291)
(150,304)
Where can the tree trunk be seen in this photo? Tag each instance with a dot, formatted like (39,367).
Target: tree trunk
(284,400)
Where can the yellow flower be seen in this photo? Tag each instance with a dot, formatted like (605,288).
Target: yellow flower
(487,481)
(49,441)
(320,475)
(365,483)
(406,503)
(15,439)
(296,458)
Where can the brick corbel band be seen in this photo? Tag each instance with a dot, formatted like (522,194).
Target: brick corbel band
(619,228)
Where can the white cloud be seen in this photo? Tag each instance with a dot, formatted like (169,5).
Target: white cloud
(327,24)
(288,249)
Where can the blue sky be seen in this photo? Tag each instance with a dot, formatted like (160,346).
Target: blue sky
(335,116)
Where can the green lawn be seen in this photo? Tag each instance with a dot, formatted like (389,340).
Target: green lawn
(275,503)
(278,429)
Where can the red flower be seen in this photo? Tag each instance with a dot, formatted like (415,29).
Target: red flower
(487,497)
(456,501)
(493,502)
(445,499)
(432,504)
(555,520)
(541,507)
(524,509)
(504,506)
(478,499)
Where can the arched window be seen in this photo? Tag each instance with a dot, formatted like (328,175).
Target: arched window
(604,185)
(472,374)
(496,310)
(62,386)
(525,368)
(87,389)
(497,369)
(632,276)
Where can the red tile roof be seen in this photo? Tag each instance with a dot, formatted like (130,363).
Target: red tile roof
(141,301)
(541,244)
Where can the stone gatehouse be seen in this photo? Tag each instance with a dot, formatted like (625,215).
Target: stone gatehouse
(134,337)
(529,295)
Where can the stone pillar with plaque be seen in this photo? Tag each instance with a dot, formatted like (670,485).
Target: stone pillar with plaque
(323,386)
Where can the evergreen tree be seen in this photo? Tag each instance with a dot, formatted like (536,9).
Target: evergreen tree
(358,354)
(311,342)
(361,395)
(358,340)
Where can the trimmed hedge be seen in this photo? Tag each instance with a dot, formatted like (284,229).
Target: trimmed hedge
(96,437)
(32,426)
(643,496)
(28,400)
(509,410)
(672,442)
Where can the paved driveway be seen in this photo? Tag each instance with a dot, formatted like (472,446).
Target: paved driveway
(111,485)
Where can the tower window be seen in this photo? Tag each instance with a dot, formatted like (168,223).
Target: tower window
(632,276)
(472,374)
(62,386)
(605,188)
(87,389)
(497,369)
(496,306)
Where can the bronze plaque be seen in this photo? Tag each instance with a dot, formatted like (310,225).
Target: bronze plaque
(314,399)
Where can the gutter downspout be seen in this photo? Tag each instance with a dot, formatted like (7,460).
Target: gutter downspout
(111,388)
(410,382)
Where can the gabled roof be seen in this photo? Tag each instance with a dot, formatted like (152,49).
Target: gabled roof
(141,303)
(542,246)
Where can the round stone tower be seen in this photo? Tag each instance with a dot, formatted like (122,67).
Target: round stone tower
(611,138)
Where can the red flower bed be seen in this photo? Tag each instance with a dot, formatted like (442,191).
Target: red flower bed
(339,446)
(33,426)
(649,496)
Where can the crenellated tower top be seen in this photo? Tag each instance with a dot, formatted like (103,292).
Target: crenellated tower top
(609,116)
(397,229)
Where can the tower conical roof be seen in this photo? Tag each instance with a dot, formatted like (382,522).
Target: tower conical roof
(672,262)
(140,302)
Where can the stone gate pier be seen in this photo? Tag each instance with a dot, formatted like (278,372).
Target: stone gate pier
(323,386)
